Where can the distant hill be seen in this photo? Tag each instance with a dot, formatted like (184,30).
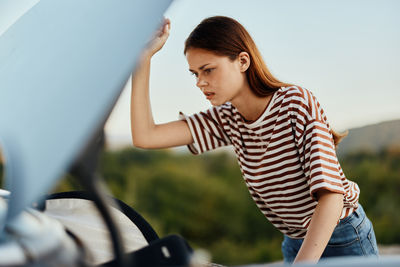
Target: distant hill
(371,138)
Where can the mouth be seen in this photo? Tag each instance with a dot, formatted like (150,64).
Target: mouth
(209,95)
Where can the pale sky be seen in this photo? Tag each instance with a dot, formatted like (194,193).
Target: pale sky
(347,52)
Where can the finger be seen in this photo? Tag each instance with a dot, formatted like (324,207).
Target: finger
(167,26)
(167,21)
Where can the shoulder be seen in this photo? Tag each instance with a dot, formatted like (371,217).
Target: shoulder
(300,97)
(296,93)
(300,101)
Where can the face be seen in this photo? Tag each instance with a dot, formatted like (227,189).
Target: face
(218,77)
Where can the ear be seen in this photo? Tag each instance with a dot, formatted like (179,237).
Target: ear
(244,61)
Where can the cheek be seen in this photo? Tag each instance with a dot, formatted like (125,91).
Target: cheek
(225,78)
(233,80)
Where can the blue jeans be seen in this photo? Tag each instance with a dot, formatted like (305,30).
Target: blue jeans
(353,236)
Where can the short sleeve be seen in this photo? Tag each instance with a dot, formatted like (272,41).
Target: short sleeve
(315,144)
(207,131)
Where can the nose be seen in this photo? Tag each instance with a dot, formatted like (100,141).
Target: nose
(201,83)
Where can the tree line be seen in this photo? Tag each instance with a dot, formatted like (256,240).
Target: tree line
(204,198)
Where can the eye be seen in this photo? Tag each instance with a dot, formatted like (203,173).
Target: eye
(208,71)
(193,74)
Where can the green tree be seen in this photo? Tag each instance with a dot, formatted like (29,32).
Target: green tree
(204,198)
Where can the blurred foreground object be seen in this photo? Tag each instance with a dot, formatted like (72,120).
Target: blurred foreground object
(34,239)
(79,215)
(63,65)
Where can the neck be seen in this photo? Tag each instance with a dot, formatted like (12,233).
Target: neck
(251,106)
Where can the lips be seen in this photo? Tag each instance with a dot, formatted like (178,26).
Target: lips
(209,95)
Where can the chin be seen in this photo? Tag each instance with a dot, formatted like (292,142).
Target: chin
(217,103)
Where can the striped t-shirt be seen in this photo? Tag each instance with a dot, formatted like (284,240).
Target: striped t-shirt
(285,156)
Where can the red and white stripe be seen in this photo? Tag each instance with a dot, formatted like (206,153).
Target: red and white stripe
(285,156)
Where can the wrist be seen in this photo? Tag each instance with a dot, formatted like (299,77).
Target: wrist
(145,56)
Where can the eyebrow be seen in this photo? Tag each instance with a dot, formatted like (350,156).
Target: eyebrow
(201,68)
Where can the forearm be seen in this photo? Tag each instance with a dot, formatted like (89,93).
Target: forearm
(323,222)
(142,121)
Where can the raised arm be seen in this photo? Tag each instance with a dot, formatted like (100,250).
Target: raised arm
(145,133)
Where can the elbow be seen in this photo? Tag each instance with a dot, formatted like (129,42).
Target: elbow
(141,142)
(137,137)
(144,138)
(138,144)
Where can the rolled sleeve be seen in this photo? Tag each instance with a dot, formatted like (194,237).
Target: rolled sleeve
(207,131)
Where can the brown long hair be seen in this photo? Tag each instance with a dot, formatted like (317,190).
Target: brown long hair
(227,37)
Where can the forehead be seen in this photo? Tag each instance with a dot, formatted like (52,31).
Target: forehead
(197,57)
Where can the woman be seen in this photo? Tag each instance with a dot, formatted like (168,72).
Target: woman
(280,134)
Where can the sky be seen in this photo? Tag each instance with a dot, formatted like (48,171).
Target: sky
(347,52)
